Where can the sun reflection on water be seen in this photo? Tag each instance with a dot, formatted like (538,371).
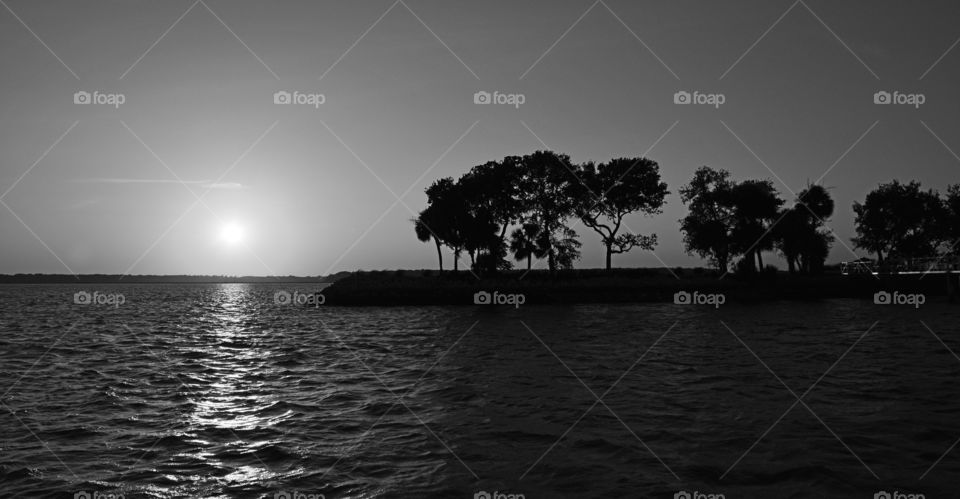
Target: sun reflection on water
(230,393)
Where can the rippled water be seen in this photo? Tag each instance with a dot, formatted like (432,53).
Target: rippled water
(216,391)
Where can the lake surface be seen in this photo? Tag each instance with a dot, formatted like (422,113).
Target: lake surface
(218,391)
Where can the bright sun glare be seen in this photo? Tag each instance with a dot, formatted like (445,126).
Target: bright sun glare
(232,233)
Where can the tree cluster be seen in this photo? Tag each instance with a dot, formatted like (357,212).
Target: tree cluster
(522,205)
(729,219)
(900,221)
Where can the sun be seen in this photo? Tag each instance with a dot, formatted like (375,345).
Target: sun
(231,233)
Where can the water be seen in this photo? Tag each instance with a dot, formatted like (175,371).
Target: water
(216,391)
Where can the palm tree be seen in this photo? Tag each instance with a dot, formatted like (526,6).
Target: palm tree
(801,235)
(523,243)
(421,225)
(818,201)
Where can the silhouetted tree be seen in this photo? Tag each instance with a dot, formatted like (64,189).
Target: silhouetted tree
(495,187)
(610,191)
(816,201)
(493,258)
(815,246)
(421,225)
(479,233)
(800,236)
(790,234)
(474,213)
(546,188)
(566,247)
(448,216)
(899,221)
(523,243)
(756,208)
(707,229)
(815,252)
(491,191)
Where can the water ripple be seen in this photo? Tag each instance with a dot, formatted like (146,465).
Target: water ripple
(215,391)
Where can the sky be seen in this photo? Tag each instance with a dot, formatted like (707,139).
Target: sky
(185,164)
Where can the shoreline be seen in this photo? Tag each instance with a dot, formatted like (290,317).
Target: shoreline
(540,287)
(162,279)
(405,288)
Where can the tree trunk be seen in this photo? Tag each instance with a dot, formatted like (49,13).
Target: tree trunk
(529,261)
(439,254)
(609,253)
(760,261)
(456,260)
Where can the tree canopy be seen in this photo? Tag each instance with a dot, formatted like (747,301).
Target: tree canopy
(610,191)
(901,221)
(528,207)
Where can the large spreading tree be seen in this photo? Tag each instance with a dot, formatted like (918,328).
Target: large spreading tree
(491,192)
(709,225)
(899,220)
(547,186)
(610,191)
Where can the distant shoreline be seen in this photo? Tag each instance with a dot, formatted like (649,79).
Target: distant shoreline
(161,279)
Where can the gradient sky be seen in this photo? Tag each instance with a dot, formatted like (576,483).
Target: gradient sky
(314,189)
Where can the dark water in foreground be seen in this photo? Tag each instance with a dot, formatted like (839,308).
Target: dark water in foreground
(216,391)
